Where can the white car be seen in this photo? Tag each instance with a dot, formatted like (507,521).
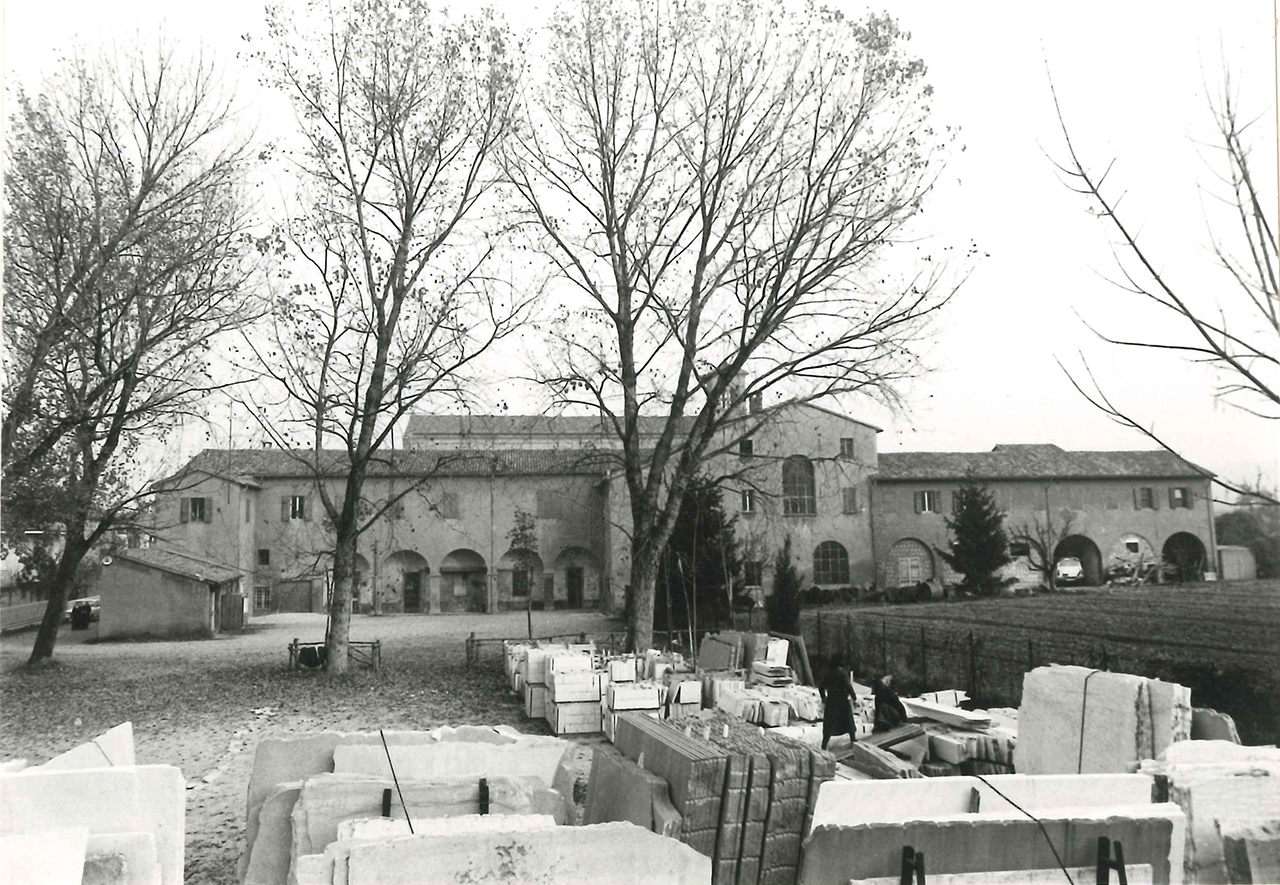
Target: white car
(1069,570)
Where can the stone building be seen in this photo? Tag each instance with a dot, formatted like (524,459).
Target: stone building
(801,471)
(444,546)
(1119,509)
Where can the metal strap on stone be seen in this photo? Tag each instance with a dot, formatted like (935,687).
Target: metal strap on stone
(395,780)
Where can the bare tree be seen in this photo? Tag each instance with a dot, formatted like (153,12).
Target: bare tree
(716,184)
(127,254)
(1235,332)
(400,112)
(1042,537)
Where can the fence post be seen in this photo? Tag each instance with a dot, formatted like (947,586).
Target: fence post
(973,669)
(924,662)
(884,646)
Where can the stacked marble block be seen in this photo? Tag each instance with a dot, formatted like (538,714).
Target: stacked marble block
(560,683)
(1231,797)
(318,814)
(1074,720)
(861,826)
(93,816)
(740,796)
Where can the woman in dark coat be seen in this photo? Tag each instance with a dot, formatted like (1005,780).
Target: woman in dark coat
(889,710)
(836,691)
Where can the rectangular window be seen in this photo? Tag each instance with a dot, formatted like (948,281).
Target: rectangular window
(264,556)
(1019,548)
(927,502)
(748,500)
(1180,497)
(198,509)
(850,500)
(1132,546)
(1144,498)
(955,501)
(746,447)
(262,596)
(753,571)
(520,582)
(298,507)
(846,447)
(909,571)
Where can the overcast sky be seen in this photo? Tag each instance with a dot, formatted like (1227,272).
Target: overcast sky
(1132,79)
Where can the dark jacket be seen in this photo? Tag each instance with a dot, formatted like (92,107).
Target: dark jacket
(837,711)
(889,710)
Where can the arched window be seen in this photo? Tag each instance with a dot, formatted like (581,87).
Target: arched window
(830,563)
(797,487)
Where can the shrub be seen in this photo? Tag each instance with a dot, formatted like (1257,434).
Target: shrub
(783,605)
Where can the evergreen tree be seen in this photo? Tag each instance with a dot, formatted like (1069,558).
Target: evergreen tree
(702,563)
(783,605)
(979,547)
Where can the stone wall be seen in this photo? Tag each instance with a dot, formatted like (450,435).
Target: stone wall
(1106,512)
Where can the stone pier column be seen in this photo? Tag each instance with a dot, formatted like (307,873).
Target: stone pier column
(433,592)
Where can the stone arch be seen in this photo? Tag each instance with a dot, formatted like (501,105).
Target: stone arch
(513,589)
(464,577)
(404,582)
(1130,552)
(1186,553)
(910,562)
(799,488)
(1084,549)
(577,578)
(831,564)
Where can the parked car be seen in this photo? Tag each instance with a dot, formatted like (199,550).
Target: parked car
(1069,570)
(95,608)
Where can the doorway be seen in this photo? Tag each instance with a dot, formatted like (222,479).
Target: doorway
(573,585)
(413,591)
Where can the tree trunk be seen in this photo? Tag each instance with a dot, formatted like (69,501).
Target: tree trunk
(336,643)
(643,586)
(64,580)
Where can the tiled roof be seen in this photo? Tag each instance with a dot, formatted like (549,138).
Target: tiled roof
(523,425)
(181,564)
(1040,461)
(279,463)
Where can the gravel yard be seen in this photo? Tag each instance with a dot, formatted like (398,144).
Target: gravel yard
(203,705)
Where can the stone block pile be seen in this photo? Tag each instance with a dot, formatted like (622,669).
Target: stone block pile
(93,815)
(1231,797)
(470,804)
(860,827)
(577,690)
(1074,720)
(736,793)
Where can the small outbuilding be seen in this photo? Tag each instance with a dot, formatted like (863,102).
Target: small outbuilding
(157,592)
(1236,563)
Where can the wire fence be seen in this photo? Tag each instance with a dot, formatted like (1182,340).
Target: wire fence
(990,661)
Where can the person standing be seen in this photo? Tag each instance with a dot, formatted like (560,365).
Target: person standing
(836,691)
(889,710)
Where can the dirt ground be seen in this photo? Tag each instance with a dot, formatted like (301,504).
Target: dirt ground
(204,705)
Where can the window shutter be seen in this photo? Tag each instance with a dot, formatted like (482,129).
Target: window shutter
(1173,500)
(919,498)
(1137,503)
(1190,497)
(306,509)
(284,508)
(208,510)
(1155,500)
(955,501)
(184,510)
